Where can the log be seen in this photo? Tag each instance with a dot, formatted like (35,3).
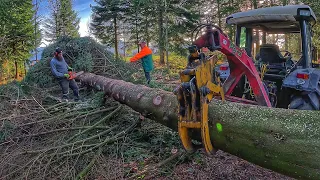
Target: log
(283,140)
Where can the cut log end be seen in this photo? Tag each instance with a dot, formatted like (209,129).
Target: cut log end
(157,100)
(139,96)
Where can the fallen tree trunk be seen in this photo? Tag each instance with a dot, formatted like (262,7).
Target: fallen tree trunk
(286,141)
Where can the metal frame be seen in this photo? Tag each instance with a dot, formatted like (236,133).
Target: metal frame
(240,64)
(198,86)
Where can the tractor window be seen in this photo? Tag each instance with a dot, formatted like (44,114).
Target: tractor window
(277,39)
(243,37)
(286,42)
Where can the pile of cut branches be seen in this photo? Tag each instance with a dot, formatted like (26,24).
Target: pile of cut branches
(38,144)
(71,140)
(83,54)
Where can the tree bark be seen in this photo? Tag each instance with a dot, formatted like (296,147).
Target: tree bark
(286,141)
(219,13)
(257,36)
(116,37)
(16,76)
(161,41)
(147,31)
(286,36)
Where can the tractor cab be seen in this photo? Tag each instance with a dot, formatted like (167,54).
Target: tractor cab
(270,26)
(279,40)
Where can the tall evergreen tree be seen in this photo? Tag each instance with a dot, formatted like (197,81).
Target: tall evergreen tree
(171,21)
(69,20)
(18,31)
(37,38)
(52,23)
(63,20)
(107,15)
(182,18)
(142,20)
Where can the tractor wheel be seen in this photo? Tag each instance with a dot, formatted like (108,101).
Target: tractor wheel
(301,103)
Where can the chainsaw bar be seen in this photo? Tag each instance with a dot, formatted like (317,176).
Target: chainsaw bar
(74,74)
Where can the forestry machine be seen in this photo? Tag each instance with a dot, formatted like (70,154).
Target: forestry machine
(273,79)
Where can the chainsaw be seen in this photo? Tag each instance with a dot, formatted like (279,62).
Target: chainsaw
(73,74)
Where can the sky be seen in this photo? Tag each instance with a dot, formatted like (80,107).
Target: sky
(82,7)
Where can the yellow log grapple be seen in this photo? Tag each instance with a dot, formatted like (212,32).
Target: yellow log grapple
(194,94)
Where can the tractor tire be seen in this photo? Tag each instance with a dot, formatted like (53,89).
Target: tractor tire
(301,103)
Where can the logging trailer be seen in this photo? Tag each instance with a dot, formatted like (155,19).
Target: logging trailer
(270,79)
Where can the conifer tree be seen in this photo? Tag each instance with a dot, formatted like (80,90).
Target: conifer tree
(63,21)
(17,31)
(107,15)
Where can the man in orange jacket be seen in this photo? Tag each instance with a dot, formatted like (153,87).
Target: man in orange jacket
(146,58)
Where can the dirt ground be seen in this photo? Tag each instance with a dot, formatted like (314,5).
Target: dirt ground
(223,166)
(198,166)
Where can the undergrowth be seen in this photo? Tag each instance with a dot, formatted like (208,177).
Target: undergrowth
(38,126)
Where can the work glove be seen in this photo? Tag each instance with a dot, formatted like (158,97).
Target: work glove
(67,76)
(70,68)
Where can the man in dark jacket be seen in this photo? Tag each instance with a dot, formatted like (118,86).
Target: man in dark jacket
(59,69)
(146,59)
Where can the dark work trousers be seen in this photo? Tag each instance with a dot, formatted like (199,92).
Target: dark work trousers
(65,84)
(148,77)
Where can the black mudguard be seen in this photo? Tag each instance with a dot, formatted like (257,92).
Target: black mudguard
(305,102)
(304,85)
(309,88)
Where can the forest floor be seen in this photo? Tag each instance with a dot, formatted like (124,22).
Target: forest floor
(98,138)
